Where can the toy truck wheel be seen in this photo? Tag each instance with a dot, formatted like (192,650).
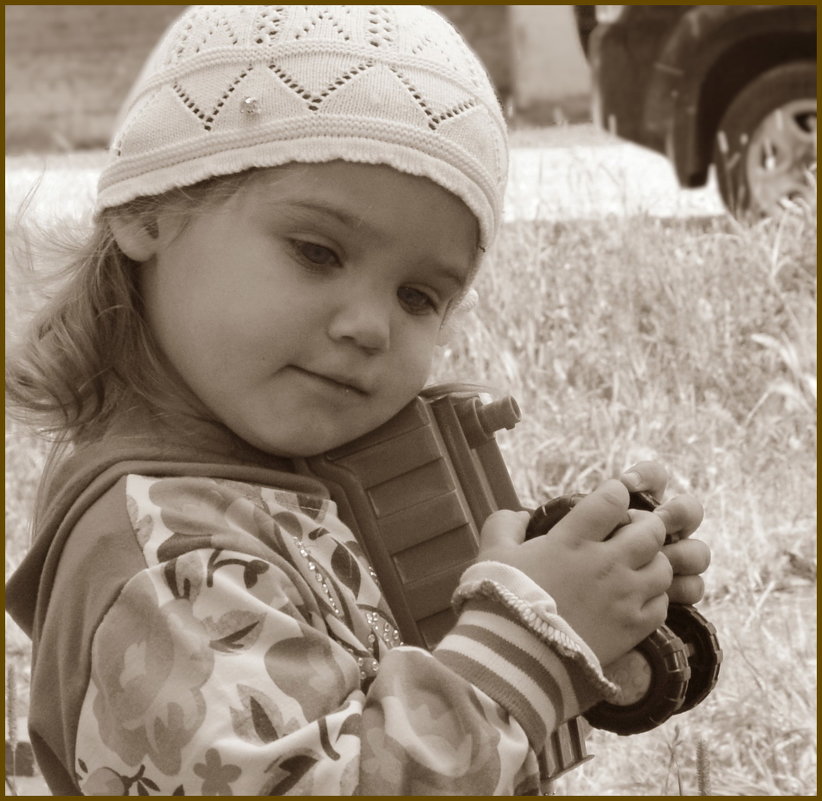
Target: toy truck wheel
(668,674)
(704,653)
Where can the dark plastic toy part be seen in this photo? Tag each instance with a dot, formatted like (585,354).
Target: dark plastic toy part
(642,500)
(481,421)
(549,514)
(704,653)
(398,489)
(681,658)
(669,672)
(565,748)
(545,517)
(697,633)
(416,492)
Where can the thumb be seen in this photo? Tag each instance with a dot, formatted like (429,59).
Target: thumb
(503,528)
(596,515)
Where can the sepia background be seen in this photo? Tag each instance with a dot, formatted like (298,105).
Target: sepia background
(68,68)
(631,319)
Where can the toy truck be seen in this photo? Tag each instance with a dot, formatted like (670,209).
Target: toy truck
(416,492)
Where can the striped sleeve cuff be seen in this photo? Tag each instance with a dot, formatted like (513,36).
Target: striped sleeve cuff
(510,642)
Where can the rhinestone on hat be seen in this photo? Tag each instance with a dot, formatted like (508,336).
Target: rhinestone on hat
(250,106)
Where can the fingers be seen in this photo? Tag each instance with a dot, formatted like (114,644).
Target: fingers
(640,540)
(688,557)
(656,579)
(654,611)
(646,476)
(686,590)
(658,575)
(645,607)
(682,515)
(503,528)
(596,515)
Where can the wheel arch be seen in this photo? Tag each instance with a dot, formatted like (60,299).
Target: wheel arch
(734,70)
(768,143)
(714,53)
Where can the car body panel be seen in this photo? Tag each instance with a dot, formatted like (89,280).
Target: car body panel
(663,75)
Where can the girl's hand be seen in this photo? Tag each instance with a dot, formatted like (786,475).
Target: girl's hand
(681,516)
(611,591)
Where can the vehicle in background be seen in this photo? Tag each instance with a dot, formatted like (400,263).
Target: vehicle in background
(586,19)
(732,86)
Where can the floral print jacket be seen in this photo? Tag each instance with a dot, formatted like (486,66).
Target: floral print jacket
(216,630)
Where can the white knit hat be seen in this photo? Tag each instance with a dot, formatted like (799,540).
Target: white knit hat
(233,87)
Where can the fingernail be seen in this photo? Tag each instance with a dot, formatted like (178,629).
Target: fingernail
(631,480)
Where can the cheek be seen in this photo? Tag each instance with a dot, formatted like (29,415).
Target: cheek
(160,296)
(413,363)
(197,334)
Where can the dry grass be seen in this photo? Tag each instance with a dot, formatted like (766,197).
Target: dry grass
(689,342)
(693,343)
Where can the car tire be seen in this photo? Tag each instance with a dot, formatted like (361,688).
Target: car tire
(766,142)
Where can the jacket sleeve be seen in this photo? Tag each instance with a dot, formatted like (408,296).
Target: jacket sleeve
(254,655)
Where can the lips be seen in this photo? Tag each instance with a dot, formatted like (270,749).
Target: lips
(335,381)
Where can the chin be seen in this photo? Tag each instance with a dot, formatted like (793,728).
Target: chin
(302,448)
(314,437)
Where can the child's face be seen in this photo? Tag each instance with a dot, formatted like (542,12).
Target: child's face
(304,311)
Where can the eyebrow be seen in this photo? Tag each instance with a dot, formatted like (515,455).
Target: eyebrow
(330,210)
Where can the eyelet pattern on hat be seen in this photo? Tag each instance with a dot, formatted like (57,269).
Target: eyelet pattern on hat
(234,87)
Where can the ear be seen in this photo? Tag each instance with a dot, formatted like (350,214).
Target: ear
(135,236)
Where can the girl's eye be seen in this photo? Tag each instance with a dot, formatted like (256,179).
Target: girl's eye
(415,301)
(316,255)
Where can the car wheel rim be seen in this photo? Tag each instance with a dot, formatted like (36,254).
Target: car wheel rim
(782,156)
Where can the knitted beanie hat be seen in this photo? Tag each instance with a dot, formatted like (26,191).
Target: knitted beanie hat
(232,87)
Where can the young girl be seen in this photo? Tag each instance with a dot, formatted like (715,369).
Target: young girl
(297,200)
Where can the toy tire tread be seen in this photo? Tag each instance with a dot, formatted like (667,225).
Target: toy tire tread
(666,654)
(705,657)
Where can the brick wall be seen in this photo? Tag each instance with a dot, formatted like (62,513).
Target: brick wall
(68,68)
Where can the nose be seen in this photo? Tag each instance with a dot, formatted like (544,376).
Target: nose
(362,318)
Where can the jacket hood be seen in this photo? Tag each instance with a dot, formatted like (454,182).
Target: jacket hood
(138,442)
